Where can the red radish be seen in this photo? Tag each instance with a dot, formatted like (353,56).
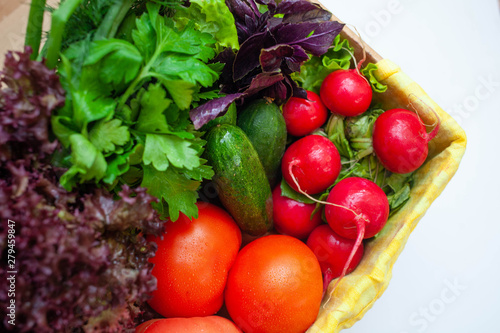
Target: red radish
(357,208)
(346,92)
(302,116)
(400,140)
(313,162)
(293,218)
(368,208)
(333,251)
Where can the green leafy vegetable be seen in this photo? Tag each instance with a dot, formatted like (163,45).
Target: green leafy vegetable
(106,135)
(368,72)
(213,17)
(129,92)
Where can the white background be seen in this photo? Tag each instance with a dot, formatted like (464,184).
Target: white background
(448,277)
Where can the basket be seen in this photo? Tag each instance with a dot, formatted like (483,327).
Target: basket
(357,292)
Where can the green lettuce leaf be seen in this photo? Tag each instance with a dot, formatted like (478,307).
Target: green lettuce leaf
(368,72)
(211,16)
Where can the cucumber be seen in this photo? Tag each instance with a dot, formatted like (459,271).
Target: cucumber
(263,123)
(240,179)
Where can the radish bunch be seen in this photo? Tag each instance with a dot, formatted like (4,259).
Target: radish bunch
(356,204)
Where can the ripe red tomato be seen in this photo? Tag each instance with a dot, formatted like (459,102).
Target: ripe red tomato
(210,324)
(293,218)
(192,263)
(302,116)
(275,285)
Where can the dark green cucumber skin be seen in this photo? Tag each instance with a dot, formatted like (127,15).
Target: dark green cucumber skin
(263,123)
(240,179)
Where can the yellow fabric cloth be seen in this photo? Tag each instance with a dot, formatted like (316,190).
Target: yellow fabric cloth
(357,292)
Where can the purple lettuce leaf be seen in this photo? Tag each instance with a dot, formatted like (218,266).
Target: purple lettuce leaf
(31,92)
(81,257)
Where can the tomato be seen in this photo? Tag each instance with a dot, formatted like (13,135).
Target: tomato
(293,218)
(210,324)
(275,285)
(192,263)
(302,116)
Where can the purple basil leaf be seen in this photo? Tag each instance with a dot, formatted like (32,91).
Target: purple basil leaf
(316,43)
(263,81)
(278,91)
(271,58)
(212,109)
(247,17)
(298,57)
(302,11)
(243,8)
(322,38)
(296,90)
(271,5)
(247,58)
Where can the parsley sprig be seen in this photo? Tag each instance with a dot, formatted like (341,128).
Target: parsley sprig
(130,83)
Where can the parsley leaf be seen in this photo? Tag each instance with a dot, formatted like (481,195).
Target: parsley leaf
(161,149)
(106,134)
(176,192)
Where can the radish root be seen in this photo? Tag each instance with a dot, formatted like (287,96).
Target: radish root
(436,124)
(290,170)
(363,46)
(360,224)
(359,239)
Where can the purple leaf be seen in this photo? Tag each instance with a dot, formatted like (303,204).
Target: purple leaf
(271,5)
(302,11)
(212,109)
(278,92)
(243,8)
(218,107)
(316,43)
(247,58)
(262,81)
(271,58)
(297,91)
